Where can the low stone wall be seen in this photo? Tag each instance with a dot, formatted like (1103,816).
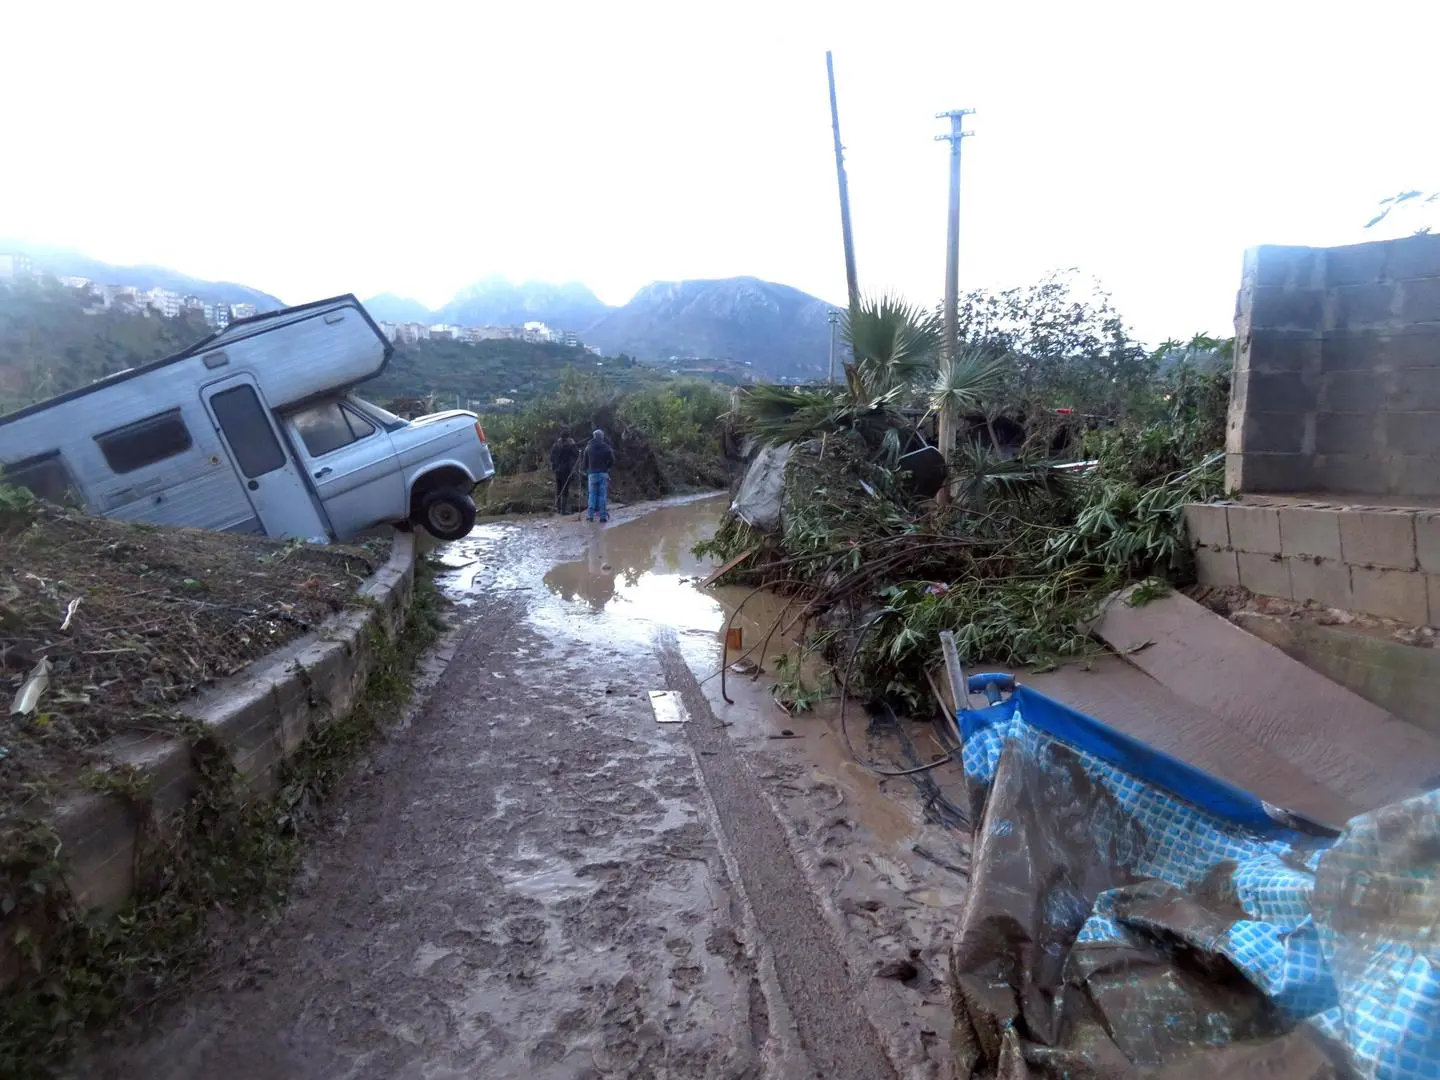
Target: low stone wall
(1379,560)
(261,716)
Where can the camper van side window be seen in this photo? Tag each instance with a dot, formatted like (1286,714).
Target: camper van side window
(44,474)
(247,429)
(145,442)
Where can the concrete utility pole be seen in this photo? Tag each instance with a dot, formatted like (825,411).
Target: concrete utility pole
(952,236)
(834,320)
(950,346)
(851,284)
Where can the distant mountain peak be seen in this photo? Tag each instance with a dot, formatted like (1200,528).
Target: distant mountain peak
(780,330)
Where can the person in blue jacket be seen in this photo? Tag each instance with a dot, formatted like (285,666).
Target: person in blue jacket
(599,458)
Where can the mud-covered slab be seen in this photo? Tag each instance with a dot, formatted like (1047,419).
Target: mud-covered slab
(1339,740)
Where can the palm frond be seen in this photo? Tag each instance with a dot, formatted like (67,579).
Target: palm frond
(974,375)
(894,342)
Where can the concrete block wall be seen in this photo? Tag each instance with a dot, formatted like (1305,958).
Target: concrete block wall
(1379,560)
(1337,371)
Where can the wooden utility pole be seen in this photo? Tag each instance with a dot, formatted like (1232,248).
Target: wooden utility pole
(949,348)
(850,281)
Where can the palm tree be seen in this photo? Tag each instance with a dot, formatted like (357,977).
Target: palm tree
(963,382)
(895,345)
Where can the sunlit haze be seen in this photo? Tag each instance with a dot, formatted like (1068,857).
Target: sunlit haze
(310,149)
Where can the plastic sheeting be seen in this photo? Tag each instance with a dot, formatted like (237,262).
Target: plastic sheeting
(1132,916)
(762,490)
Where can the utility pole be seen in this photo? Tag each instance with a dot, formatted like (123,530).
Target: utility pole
(834,320)
(950,346)
(852,285)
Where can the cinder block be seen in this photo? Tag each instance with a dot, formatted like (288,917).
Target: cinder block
(1350,352)
(1392,594)
(1346,432)
(1216,567)
(1354,391)
(1256,473)
(1325,581)
(1284,307)
(1417,389)
(1384,538)
(1359,307)
(1414,476)
(1280,392)
(1281,351)
(1413,256)
(1305,531)
(1275,265)
(1417,347)
(1355,264)
(1349,474)
(1414,433)
(1268,575)
(1427,542)
(1206,523)
(1254,528)
(1420,300)
(1276,432)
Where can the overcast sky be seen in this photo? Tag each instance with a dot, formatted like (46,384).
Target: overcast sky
(309,149)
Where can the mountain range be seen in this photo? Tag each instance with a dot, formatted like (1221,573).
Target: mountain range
(779,330)
(63,262)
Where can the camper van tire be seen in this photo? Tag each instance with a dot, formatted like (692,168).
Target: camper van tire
(447,514)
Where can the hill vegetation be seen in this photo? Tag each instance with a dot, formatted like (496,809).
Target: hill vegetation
(481,372)
(669,437)
(49,344)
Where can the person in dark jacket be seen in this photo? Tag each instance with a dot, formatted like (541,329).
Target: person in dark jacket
(563,456)
(599,457)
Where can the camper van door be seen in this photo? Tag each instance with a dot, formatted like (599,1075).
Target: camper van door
(277,491)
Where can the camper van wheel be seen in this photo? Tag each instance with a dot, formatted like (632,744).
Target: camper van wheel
(448,514)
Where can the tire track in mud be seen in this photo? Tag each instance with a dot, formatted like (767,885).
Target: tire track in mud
(809,964)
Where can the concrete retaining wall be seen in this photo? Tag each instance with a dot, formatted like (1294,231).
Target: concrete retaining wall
(1379,560)
(262,716)
(1337,370)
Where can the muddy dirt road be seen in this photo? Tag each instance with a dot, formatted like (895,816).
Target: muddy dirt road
(534,877)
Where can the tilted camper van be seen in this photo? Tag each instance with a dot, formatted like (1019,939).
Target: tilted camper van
(254,429)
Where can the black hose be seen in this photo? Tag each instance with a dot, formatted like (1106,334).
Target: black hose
(844,699)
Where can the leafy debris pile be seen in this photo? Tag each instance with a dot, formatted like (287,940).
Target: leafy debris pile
(1013,565)
(107,626)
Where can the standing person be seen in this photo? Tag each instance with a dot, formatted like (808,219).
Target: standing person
(563,456)
(599,457)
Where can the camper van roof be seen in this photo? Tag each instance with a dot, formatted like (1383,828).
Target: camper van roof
(236,331)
